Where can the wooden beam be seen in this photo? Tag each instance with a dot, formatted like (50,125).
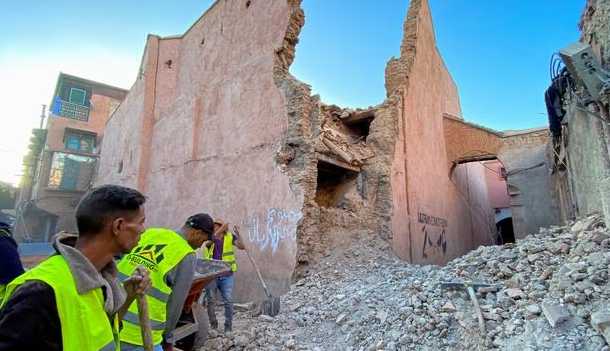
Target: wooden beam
(359,116)
(337,150)
(338,163)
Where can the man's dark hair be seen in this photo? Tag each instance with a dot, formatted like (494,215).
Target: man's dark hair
(103,203)
(201,221)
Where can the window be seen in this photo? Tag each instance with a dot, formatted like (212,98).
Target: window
(71,172)
(77,96)
(80,142)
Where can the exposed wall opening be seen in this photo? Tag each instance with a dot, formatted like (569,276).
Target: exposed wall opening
(359,123)
(333,183)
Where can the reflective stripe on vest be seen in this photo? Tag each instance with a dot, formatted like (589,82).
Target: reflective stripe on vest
(228,254)
(159,250)
(84,323)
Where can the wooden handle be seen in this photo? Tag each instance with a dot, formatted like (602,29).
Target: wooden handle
(258,272)
(144,322)
(477,309)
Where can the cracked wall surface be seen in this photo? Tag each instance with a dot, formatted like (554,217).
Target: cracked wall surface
(202,125)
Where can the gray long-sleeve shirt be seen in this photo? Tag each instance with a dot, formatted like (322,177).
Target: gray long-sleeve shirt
(180,279)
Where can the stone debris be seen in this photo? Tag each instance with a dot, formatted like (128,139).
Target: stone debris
(600,320)
(550,292)
(555,313)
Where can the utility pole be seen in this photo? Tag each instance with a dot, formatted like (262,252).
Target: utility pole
(42,115)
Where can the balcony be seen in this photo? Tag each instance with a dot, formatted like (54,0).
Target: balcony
(71,172)
(71,110)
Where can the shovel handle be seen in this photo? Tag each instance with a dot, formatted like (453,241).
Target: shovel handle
(144,322)
(258,272)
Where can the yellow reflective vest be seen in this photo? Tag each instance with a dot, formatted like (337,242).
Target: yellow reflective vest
(159,250)
(84,322)
(228,255)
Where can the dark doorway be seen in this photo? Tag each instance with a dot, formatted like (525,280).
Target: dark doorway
(505,231)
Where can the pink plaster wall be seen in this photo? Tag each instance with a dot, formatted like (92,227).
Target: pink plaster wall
(481,212)
(498,191)
(433,223)
(218,119)
(121,142)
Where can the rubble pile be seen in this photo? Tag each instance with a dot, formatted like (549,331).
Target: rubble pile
(549,291)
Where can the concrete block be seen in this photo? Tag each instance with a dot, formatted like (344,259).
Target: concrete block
(604,190)
(600,321)
(555,313)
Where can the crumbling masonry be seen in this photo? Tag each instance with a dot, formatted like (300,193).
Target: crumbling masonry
(215,122)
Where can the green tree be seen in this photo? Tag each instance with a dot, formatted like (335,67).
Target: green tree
(7,196)
(31,159)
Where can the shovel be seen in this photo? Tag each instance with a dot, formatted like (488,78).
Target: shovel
(271,306)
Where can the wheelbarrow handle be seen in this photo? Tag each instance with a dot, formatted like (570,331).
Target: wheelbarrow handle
(258,272)
(144,322)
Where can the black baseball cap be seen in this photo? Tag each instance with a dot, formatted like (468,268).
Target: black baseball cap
(201,221)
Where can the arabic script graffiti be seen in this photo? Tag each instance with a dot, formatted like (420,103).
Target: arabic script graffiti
(268,230)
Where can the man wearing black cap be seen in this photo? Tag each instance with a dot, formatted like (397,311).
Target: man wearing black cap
(170,257)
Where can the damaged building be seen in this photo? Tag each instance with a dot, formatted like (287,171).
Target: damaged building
(215,122)
(65,166)
(579,118)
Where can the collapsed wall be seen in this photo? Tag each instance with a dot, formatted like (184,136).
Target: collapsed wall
(202,129)
(216,123)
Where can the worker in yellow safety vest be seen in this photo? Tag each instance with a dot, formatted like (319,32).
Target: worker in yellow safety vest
(170,257)
(222,247)
(73,300)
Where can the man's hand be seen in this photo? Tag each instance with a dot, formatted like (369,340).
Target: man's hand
(220,232)
(208,243)
(138,283)
(237,238)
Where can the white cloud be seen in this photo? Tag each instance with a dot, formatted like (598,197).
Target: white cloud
(27,80)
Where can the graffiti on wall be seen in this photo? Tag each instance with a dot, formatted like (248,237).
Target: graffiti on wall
(269,229)
(434,231)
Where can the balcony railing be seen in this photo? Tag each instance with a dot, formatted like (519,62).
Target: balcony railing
(74,111)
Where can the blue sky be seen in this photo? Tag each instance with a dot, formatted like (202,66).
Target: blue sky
(497,51)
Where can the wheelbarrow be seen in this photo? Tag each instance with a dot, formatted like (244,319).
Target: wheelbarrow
(193,324)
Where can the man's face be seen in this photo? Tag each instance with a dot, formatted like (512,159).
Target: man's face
(196,237)
(128,229)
